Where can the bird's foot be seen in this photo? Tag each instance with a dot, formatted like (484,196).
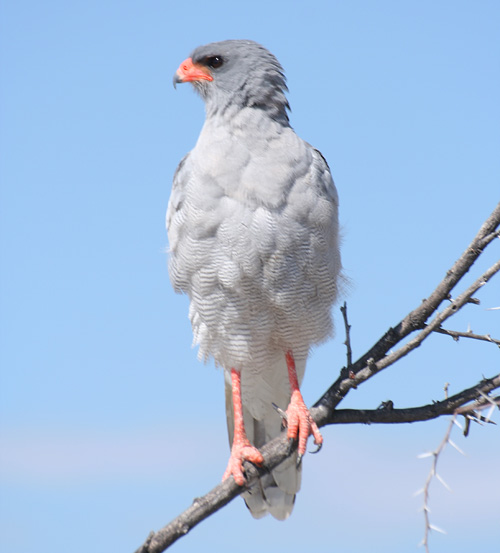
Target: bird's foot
(301,425)
(241,451)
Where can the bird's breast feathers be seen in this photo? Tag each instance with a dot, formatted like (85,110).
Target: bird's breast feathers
(253,238)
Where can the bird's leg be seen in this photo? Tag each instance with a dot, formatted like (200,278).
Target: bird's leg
(299,421)
(242,449)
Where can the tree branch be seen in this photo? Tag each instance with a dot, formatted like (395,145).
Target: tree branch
(456,335)
(413,321)
(276,451)
(366,366)
(347,343)
(430,477)
(448,406)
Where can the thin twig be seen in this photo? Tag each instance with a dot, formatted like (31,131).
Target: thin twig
(347,327)
(433,474)
(466,410)
(456,335)
(469,411)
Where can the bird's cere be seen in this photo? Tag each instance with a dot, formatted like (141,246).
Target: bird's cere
(189,72)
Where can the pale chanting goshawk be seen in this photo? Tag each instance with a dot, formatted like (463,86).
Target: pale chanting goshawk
(254,242)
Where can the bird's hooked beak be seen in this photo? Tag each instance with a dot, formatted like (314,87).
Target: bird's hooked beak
(189,71)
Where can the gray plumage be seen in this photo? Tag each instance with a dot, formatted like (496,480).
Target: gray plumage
(253,230)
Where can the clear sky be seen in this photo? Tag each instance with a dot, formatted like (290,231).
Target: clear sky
(109,424)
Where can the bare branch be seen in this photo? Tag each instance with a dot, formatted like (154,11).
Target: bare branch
(276,451)
(369,364)
(456,335)
(341,387)
(453,404)
(479,405)
(414,320)
(466,410)
(433,474)
(343,309)
(470,412)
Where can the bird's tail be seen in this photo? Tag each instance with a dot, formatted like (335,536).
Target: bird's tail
(275,491)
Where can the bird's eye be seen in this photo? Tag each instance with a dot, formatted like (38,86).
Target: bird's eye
(214,62)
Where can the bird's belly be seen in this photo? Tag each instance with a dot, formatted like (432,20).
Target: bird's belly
(260,278)
(244,308)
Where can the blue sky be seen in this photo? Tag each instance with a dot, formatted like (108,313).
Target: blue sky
(109,424)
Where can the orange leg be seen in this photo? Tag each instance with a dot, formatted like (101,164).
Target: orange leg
(242,449)
(300,423)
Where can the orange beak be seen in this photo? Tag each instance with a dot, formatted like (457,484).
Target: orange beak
(189,71)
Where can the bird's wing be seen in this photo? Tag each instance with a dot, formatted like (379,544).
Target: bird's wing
(175,216)
(180,179)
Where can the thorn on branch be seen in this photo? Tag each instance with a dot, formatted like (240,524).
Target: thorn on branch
(470,411)
(467,426)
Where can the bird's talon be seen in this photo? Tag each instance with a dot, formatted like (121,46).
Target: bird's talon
(283,415)
(299,459)
(318,448)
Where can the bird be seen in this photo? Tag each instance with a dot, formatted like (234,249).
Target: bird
(253,234)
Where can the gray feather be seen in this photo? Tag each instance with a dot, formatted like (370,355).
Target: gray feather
(253,232)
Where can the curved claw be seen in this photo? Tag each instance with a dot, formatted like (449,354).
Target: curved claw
(318,449)
(280,412)
(299,459)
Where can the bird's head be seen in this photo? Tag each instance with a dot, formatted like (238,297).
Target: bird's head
(236,74)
